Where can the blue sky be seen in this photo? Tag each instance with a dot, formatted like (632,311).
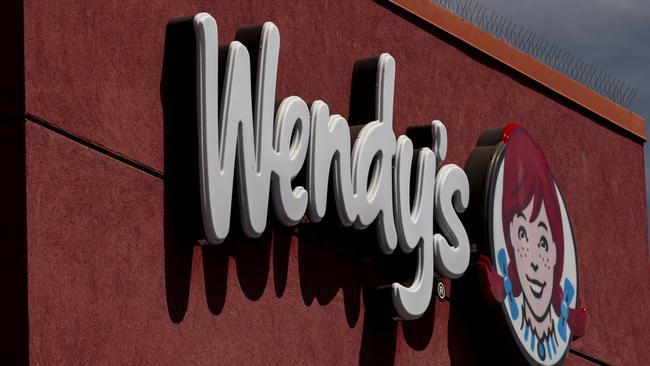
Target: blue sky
(613,35)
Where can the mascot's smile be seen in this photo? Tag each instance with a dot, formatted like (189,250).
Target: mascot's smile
(536,287)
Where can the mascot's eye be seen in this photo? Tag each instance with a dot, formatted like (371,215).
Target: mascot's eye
(521,234)
(543,243)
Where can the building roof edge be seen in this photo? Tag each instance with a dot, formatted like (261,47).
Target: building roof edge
(525,64)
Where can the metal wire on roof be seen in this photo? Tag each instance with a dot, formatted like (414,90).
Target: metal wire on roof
(542,49)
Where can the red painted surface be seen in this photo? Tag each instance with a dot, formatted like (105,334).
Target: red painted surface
(107,284)
(98,292)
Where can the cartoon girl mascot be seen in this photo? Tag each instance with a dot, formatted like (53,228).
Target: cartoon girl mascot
(534,242)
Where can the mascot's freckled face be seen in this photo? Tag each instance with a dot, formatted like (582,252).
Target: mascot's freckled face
(535,257)
(539,284)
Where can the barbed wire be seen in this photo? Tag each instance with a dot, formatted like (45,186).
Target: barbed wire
(542,49)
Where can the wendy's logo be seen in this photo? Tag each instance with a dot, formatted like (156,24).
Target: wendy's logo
(527,259)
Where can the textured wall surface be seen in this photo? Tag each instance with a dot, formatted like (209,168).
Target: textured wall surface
(112,274)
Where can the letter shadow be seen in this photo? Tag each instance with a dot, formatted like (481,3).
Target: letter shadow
(330,257)
(183,228)
(333,258)
(252,259)
(181,211)
(473,325)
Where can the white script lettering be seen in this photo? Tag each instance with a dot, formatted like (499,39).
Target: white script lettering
(371,178)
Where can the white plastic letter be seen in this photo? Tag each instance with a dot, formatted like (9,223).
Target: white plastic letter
(290,152)
(376,143)
(222,136)
(452,186)
(414,226)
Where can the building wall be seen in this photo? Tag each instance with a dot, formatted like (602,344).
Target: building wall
(113,276)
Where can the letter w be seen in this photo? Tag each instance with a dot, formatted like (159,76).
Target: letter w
(222,137)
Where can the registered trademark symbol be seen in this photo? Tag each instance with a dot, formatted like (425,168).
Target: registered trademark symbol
(441,291)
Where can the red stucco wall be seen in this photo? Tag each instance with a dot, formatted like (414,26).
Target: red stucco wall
(107,282)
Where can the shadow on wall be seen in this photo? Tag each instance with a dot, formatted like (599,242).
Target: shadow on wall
(330,257)
(14,332)
(13,257)
(474,327)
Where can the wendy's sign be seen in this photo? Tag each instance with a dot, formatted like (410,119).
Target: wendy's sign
(528,258)
(527,262)
(370,167)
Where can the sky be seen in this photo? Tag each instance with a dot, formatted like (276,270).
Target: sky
(613,35)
